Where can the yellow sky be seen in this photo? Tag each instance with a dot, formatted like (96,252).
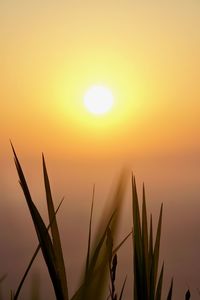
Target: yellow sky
(148,54)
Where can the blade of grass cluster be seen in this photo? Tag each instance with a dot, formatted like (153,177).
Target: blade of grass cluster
(169,296)
(93,272)
(55,233)
(114,206)
(98,269)
(42,233)
(78,293)
(114,211)
(31,261)
(98,248)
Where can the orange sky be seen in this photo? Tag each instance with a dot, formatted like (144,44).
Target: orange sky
(146,53)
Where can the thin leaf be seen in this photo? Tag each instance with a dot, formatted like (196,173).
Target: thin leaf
(2,278)
(137,246)
(90,232)
(122,290)
(109,244)
(35,287)
(151,275)
(145,261)
(187,295)
(169,297)
(121,243)
(160,282)
(157,245)
(151,239)
(55,233)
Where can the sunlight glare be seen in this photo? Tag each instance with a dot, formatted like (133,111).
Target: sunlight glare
(98,100)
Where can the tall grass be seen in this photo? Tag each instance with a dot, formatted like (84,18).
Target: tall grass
(100,271)
(147,281)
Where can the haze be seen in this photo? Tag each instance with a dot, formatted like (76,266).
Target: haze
(51,52)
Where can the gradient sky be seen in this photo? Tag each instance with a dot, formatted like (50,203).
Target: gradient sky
(147,53)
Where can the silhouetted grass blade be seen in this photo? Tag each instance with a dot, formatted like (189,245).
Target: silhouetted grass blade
(146,266)
(109,244)
(159,286)
(187,295)
(157,246)
(121,243)
(122,290)
(137,246)
(90,233)
(55,233)
(169,296)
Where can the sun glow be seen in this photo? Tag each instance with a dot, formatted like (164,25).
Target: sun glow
(98,100)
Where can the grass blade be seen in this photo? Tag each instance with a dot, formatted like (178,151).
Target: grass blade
(146,267)
(90,232)
(159,286)
(121,243)
(157,246)
(187,295)
(151,274)
(109,245)
(169,296)
(35,287)
(137,246)
(55,233)
(122,290)
(2,278)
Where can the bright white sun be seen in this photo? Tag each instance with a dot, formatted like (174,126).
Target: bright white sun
(98,100)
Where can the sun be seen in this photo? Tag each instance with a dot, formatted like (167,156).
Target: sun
(98,100)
